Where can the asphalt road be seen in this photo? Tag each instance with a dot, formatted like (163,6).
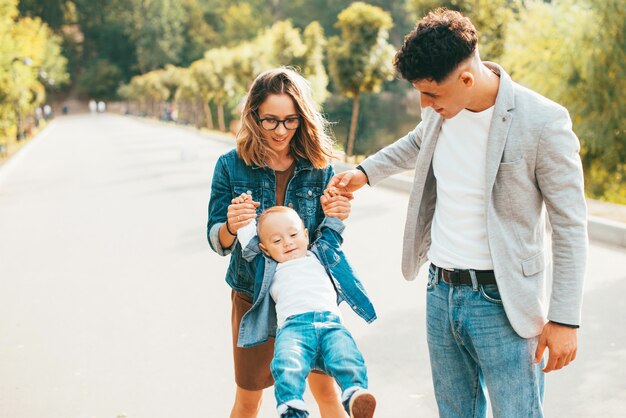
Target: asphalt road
(112,303)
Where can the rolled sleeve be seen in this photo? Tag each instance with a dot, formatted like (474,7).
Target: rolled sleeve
(218,206)
(214,241)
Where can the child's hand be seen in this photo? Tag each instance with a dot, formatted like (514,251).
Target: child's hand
(333,191)
(336,206)
(241,212)
(243,198)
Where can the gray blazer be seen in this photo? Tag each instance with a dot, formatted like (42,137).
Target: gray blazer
(532,164)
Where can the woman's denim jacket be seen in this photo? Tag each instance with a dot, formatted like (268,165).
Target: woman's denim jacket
(232,177)
(259,323)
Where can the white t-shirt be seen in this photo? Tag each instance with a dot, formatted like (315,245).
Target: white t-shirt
(302,285)
(299,286)
(459,229)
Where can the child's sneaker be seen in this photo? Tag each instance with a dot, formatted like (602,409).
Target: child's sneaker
(362,404)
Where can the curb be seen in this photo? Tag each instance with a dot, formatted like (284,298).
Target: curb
(606,231)
(599,229)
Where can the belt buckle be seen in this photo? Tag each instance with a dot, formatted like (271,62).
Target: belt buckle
(452,276)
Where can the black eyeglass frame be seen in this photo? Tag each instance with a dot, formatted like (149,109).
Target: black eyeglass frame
(278,122)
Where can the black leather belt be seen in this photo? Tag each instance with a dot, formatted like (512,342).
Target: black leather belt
(463,276)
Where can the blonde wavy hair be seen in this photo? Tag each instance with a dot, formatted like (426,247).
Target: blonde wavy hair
(311,140)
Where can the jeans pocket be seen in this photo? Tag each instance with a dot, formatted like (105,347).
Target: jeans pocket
(490,293)
(431,280)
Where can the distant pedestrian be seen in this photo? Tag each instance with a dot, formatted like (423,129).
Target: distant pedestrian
(93,106)
(38,115)
(47,112)
(101,106)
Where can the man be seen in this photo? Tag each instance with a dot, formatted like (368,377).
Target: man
(489,155)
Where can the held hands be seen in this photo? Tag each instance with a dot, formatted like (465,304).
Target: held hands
(348,181)
(240,212)
(336,204)
(562,343)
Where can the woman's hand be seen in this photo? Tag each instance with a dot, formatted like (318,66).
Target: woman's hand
(335,204)
(241,211)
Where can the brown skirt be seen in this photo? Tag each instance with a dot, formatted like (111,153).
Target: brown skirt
(252,364)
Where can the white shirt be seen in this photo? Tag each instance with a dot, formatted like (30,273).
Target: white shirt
(300,285)
(459,229)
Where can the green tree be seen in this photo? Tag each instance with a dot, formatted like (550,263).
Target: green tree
(198,33)
(100,34)
(215,83)
(313,61)
(158,32)
(189,101)
(100,79)
(29,59)
(360,60)
(50,11)
(240,23)
(549,50)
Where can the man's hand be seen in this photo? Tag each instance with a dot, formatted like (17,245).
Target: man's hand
(562,343)
(348,181)
(336,205)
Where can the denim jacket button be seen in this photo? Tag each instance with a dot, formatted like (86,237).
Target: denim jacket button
(290,205)
(310,193)
(249,192)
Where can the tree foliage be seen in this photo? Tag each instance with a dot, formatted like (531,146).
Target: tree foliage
(30,63)
(583,70)
(360,59)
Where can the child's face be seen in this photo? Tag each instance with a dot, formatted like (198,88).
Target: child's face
(283,236)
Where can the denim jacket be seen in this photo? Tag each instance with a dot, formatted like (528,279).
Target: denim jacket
(232,177)
(259,323)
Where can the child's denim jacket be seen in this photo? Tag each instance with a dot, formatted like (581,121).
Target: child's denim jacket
(259,323)
(232,176)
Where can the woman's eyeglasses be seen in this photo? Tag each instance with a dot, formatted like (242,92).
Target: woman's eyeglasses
(269,124)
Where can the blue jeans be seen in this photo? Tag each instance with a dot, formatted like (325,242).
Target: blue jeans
(314,340)
(474,349)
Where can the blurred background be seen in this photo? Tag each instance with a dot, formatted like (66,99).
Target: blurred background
(191,62)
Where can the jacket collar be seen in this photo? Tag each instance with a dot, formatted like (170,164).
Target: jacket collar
(301,164)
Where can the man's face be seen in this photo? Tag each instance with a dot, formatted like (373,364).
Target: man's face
(283,236)
(447,98)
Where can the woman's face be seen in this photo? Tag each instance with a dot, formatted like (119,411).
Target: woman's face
(279,107)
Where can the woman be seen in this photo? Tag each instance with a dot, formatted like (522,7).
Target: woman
(281,158)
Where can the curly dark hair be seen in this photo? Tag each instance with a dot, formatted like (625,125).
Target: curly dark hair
(440,41)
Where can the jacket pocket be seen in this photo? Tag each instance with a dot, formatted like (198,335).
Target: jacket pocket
(510,166)
(308,203)
(534,264)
